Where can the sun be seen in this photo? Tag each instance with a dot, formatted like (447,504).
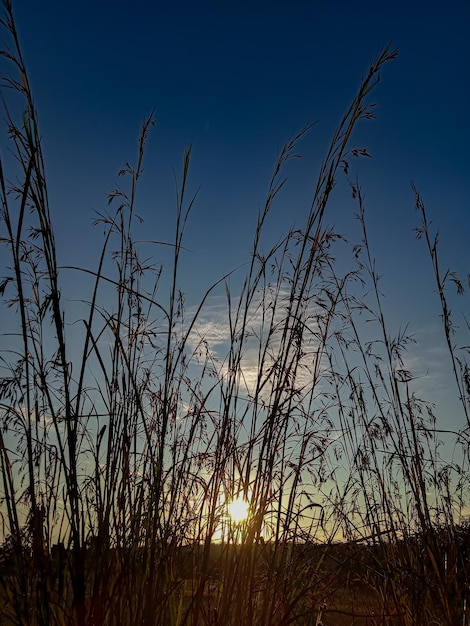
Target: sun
(238,509)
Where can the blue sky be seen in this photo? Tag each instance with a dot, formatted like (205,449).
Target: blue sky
(236,79)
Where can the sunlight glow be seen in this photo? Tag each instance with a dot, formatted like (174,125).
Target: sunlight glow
(238,509)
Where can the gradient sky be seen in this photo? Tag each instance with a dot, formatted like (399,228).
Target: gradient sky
(236,78)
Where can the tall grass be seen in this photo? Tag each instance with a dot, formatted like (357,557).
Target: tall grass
(118,459)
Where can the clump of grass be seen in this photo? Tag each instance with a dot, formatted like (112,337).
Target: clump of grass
(117,460)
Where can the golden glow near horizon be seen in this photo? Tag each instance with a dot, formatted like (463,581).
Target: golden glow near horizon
(238,509)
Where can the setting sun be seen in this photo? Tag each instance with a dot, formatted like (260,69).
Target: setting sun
(238,509)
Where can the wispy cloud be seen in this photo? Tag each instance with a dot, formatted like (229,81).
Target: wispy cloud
(256,340)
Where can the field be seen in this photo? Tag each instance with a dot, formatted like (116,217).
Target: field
(125,435)
(304,584)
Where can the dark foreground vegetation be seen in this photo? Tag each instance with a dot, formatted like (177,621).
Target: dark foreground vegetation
(341,584)
(124,435)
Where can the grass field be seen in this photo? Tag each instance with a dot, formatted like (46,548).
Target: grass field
(119,457)
(338,584)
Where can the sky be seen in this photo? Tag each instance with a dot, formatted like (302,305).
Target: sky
(236,79)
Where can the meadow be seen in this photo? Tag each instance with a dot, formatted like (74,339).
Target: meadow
(119,458)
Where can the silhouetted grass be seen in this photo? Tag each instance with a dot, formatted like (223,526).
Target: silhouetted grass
(118,459)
